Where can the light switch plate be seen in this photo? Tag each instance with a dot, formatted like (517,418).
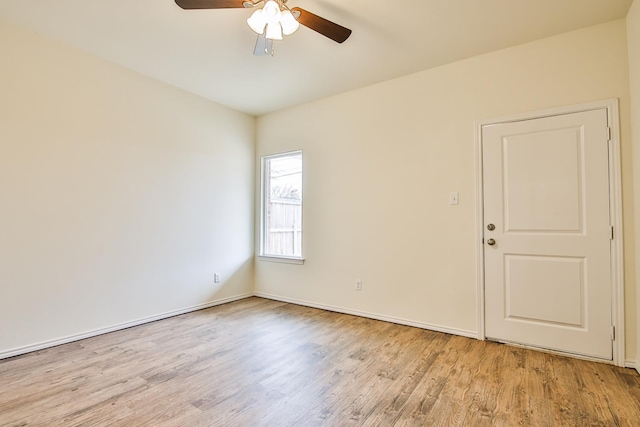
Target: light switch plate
(453,198)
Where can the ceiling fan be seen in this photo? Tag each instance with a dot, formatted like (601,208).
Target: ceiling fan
(274,20)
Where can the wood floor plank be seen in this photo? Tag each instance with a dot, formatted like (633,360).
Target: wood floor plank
(391,405)
(258,362)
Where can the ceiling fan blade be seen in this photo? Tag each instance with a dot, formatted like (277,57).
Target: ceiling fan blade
(323,26)
(209,4)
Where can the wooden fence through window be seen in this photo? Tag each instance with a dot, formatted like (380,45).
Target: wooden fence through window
(284,228)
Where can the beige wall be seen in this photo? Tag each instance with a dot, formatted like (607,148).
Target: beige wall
(633,36)
(380,162)
(119,196)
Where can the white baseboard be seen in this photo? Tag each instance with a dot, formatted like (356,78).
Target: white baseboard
(64,340)
(629,363)
(422,325)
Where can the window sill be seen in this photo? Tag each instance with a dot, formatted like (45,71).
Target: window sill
(284,260)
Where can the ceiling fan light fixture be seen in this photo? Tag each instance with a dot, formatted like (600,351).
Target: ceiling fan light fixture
(257,21)
(289,23)
(272,12)
(274,31)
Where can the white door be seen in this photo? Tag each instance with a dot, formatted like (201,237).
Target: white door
(547,261)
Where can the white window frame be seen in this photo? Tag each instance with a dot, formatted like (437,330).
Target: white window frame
(263,200)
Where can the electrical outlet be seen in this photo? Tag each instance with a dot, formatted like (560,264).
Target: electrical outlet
(358,285)
(216,277)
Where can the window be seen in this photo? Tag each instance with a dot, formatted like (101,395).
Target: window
(281,212)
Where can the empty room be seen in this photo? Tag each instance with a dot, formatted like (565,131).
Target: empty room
(319,213)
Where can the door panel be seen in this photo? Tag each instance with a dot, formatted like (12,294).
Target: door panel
(546,189)
(543,196)
(559,281)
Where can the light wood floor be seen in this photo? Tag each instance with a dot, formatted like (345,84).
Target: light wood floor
(266,363)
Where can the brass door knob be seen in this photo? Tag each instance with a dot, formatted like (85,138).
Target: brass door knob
(491,242)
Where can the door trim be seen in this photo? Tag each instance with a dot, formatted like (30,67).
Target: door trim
(615,207)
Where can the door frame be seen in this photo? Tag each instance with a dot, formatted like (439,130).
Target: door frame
(615,212)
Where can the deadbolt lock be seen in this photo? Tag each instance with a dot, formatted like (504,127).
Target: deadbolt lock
(491,227)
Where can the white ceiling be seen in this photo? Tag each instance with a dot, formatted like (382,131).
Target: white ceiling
(210,52)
